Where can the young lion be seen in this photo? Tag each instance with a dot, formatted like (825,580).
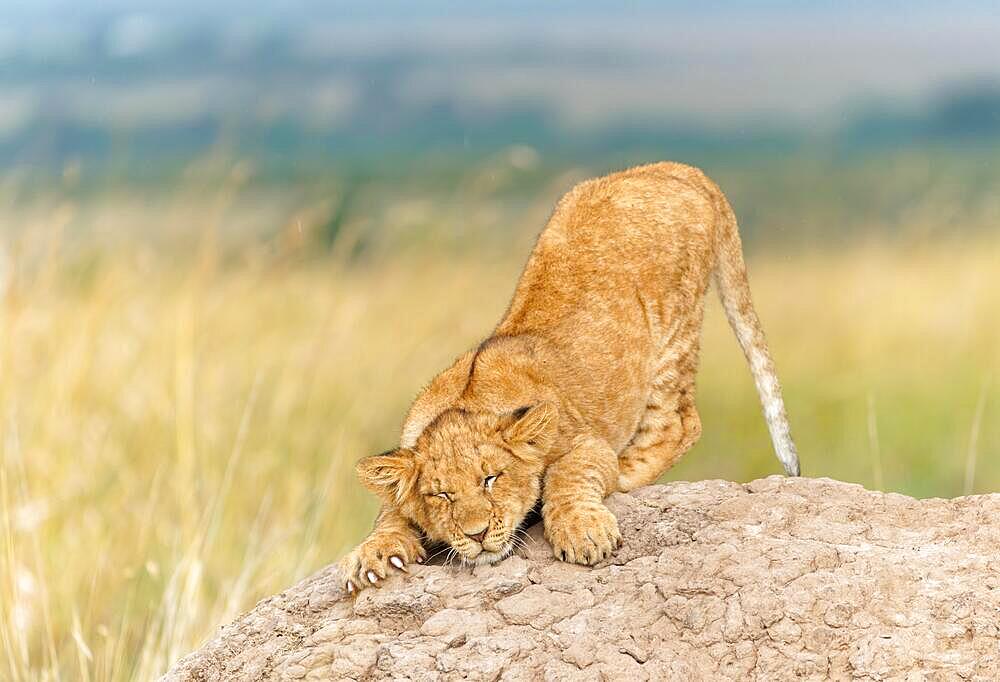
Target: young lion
(586,387)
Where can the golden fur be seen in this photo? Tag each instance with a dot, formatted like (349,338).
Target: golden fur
(586,387)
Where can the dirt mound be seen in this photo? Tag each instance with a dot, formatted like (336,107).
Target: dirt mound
(775,578)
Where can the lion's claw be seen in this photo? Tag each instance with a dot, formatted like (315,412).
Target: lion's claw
(369,563)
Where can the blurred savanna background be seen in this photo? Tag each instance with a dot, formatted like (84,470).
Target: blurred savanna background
(236,239)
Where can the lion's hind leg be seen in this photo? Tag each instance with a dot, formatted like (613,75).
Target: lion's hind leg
(669,427)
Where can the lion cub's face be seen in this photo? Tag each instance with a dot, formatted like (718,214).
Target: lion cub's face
(470,479)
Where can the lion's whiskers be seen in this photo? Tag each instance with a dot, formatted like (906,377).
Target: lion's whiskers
(525,535)
(445,548)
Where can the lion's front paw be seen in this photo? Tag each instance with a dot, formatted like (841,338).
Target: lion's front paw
(582,534)
(370,561)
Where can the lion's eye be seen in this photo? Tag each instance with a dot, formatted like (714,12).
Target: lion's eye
(489,481)
(443,496)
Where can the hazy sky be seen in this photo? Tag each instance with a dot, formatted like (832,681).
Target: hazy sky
(716,62)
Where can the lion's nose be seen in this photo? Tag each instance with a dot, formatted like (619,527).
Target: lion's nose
(478,537)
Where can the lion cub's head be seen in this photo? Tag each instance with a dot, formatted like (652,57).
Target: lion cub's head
(470,479)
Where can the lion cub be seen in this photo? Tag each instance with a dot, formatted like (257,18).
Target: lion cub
(586,387)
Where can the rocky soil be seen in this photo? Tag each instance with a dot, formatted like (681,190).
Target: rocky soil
(774,579)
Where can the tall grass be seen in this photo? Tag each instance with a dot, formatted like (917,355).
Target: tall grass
(180,417)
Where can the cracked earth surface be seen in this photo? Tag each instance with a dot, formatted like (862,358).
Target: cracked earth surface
(778,578)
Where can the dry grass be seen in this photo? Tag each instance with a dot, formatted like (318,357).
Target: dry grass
(179,428)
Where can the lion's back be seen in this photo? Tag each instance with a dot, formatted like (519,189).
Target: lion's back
(639,232)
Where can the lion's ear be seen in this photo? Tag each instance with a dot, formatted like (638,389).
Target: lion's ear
(533,425)
(390,475)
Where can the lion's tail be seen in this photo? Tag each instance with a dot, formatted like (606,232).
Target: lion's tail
(734,291)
